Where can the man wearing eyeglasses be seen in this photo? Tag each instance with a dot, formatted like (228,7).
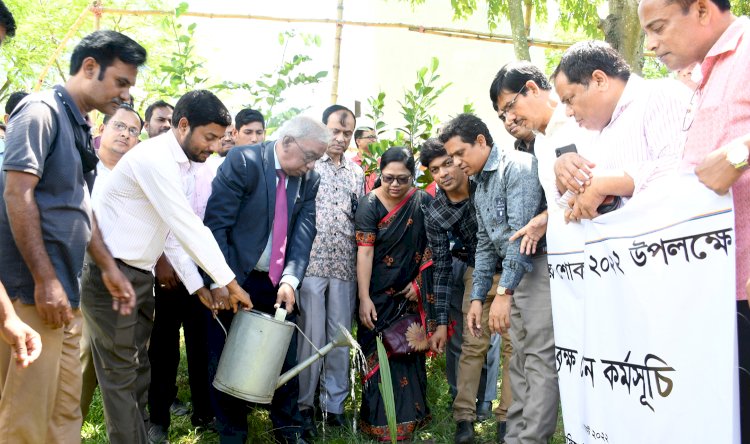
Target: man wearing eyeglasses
(328,294)
(119,134)
(363,137)
(523,97)
(262,213)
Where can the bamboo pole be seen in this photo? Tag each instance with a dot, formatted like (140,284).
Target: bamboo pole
(527,21)
(444,32)
(337,52)
(96,9)
(71,32)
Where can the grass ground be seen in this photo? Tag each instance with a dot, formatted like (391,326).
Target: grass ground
(439,431)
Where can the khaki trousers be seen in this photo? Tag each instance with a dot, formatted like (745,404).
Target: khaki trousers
(41,404)
(473,353)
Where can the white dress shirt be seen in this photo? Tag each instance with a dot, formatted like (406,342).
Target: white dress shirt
(102,175)
(197,186)
(561,130)
(644,137)
(144,199)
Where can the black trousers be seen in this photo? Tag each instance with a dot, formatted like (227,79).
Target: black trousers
(175,308)
(231,412)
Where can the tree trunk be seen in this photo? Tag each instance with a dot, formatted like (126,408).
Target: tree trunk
(518,29)
(623,31)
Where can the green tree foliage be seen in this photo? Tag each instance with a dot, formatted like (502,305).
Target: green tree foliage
(269,92)
(419,122)
(41,27)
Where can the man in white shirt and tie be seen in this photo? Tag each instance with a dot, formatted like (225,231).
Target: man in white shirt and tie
(145,198)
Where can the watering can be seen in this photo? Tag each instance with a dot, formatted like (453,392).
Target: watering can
(254,353)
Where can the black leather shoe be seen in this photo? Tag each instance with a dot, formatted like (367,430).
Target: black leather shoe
(484,410)
(336,420)
(464,432)
(179,408)
(309,430)
(157,434)
(501,429)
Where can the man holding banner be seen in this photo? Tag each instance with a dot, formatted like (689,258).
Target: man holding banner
(718,124)
(635,125)
(507,197)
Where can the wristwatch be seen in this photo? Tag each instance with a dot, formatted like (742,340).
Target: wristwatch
(504,291)
(737,154)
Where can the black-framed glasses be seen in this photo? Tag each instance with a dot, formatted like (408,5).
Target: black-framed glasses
(122,126)
(509,106)
(402,180)
(307,156)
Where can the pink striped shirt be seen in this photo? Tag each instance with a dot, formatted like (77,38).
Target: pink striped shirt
(644,137)
(722,114)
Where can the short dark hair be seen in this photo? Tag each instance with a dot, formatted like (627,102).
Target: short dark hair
(334,109)
(105,46)
(513,76)
(13,100)
(7,21)
(580,61)
(247,116)
(723,5)
(108,117)
(201,107)
(398,154)
(467,127)
(153,106)
(430,150)
(361,130)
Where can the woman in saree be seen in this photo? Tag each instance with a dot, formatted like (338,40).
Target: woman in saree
(394,272)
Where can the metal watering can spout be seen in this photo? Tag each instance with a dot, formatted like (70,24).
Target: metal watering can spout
(343,339)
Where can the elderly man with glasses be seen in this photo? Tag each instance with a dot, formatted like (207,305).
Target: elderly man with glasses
(262,213)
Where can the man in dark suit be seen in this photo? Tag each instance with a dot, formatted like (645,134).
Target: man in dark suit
(267,243)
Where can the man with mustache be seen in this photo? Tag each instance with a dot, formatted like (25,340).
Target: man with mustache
(508,195)
(452,213)
(45,227)
(635,124)
(158,118)
(328,293)
(146,197)
(118,135)
(717,126)
(249,128)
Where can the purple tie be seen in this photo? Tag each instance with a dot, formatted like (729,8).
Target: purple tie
(278,241)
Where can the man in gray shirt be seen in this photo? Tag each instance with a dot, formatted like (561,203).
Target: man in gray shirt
(45,226)
(507,197)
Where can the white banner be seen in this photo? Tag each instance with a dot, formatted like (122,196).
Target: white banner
(645,316)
